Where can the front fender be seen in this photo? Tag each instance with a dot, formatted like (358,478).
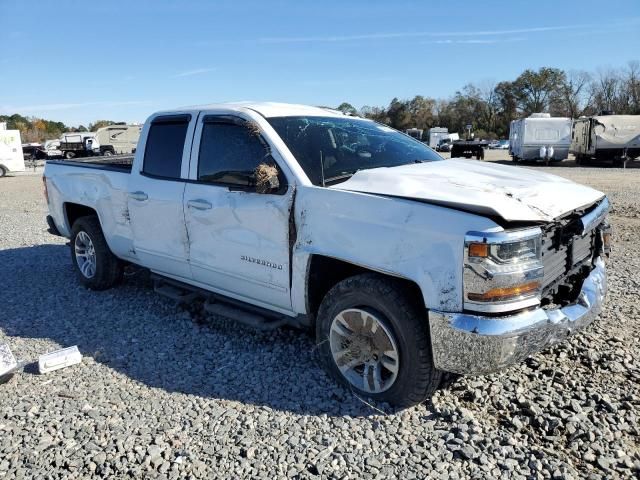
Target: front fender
(402,238)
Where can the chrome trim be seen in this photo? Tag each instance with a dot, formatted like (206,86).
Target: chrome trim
(472,344)
(592,219)
(506,236)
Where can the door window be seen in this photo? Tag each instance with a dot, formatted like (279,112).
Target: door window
(230,154)
(165,144)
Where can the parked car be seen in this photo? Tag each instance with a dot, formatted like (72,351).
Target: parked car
(405,265)
(503,145)
(493,144)
(444,145)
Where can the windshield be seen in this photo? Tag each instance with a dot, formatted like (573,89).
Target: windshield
(345,145)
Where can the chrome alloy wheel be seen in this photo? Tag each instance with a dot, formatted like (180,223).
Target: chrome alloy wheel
(364,350)
(85,254)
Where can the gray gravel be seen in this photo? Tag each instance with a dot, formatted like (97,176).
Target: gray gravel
(163,394)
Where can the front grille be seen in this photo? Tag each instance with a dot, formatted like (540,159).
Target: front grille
(562,252)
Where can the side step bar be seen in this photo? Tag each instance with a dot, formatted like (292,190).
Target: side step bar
(249,315)
(245,317)
(176,294)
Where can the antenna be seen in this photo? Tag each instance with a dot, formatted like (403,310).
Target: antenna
(322,169)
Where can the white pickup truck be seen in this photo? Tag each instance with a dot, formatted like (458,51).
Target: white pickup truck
(405,264)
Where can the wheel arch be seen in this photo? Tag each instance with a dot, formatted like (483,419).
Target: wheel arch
(73,211)
(324,272)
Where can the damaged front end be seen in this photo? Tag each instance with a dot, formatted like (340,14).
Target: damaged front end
(524,291)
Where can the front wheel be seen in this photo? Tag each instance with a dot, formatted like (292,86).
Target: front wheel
(96,267)
(374,339)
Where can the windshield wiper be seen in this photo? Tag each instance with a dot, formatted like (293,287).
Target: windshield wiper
(342,176)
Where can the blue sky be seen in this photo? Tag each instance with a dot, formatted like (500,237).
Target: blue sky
(78,61)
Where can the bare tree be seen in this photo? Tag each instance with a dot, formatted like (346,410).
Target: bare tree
(573,95)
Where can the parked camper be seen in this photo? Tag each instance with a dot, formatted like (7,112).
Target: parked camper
(540,137)
(436,134)
(11,156)
(415,133)
(117,139)
(606,137)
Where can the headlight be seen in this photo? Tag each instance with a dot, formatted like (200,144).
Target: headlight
(503,271)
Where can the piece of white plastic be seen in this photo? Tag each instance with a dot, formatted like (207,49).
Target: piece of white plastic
(59,359)
(8,362)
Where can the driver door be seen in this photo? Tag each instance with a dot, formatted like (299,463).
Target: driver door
(238,238)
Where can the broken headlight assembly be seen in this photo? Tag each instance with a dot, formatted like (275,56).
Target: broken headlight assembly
(503,271)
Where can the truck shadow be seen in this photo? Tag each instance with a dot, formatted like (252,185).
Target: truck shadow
(135,332)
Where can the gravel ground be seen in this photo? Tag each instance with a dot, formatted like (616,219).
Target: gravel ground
(160,394)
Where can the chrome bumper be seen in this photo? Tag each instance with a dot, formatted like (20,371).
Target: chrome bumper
(473,344)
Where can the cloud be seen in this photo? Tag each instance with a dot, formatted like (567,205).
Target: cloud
(190,73)
(475,41)
(49,107)
(402,35)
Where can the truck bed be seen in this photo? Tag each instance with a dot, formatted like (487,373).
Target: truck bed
(120,163)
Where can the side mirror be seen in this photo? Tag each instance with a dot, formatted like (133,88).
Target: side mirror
(266,177)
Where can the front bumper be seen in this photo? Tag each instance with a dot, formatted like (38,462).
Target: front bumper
(473,344)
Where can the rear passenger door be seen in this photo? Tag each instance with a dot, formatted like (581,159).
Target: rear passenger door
(156,192)
(239,238)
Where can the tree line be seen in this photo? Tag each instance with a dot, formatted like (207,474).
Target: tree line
(34,129)
(489,106)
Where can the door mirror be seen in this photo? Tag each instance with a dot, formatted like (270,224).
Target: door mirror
(267,177)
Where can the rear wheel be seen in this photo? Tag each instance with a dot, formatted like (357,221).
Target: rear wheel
(374,339)
(96,267)
(3,171)
(69,155)
(107,153)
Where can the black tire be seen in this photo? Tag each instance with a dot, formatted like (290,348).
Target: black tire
(108,268)
(107,153)
(417,379)
(3,171)
(69,155)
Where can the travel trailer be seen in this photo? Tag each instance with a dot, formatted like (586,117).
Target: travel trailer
(613,138)
(436,134)
(11,156)
(540,137)
(116,139)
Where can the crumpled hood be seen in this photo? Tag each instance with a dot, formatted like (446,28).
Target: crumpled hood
(511,193)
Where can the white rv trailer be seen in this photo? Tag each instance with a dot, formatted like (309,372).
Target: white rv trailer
(11,156)
(540,137)
(606,137)
(117,139)
(436,135)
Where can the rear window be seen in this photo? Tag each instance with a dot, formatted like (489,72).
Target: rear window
(165,145)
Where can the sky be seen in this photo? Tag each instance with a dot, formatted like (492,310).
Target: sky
(80,61)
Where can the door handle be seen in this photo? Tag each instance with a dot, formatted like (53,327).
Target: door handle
(199,204)
(140,196)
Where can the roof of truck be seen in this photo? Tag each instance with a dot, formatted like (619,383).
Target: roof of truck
(274,109)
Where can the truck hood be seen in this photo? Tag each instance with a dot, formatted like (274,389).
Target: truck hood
(511,193)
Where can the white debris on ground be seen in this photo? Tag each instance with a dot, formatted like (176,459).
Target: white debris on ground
(52,361)
(160,394)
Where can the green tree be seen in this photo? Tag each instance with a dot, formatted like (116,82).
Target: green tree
(347,108)
(533,90)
